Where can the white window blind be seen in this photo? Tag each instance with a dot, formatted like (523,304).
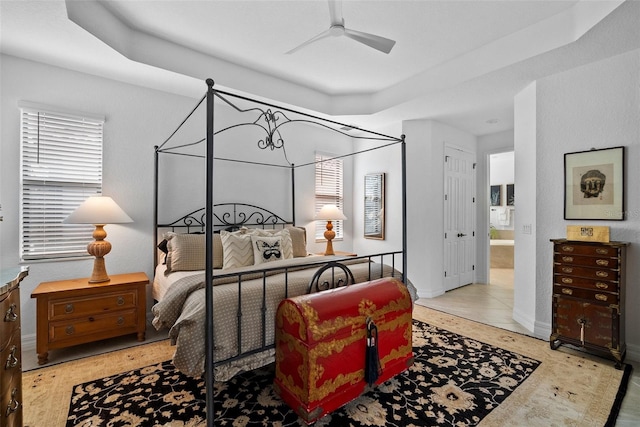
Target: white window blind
(329,189)
(61,165)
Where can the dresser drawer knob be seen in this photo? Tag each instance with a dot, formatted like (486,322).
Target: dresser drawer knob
(567,280)
(120,301)
(600,273)
(69,330)
(120,321)
(601,297)
(11,315)
(567,291)
(567,270)
(13,404)
(566,248)
(601,285)
(567,258)
(12,360)
(602,251)
(602,262)
(68,309)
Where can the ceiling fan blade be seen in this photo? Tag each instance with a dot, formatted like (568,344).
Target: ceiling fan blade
(335,12)
(377,42)
(322,35)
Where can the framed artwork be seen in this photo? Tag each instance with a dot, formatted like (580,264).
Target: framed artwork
(496,195)
(511,201)
(374,206)
(594,184)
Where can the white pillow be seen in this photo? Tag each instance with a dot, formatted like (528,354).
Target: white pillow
(284,234)
(236,249)
(266,248)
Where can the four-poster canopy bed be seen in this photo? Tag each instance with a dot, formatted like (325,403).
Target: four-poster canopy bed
(218,276)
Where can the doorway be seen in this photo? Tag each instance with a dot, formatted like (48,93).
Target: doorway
(502,214)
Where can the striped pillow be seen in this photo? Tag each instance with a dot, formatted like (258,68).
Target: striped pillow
(237,249)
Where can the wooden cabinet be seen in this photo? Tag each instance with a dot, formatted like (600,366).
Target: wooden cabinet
(10,349)
(71,312)
(589,296)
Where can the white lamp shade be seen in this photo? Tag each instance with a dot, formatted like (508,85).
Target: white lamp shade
(98,210)
(330,213)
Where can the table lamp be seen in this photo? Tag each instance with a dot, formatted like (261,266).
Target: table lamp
(99,211)
(330,213)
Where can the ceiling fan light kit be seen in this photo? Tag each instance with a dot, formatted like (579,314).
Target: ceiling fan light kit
(337,29)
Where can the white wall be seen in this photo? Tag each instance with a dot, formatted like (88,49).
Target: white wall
(596,105)
(137,119)
(426,140)
(526,173)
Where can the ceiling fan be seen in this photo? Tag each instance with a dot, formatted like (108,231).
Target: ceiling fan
(337,29)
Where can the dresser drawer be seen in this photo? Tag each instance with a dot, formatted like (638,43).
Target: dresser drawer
(582,249)
(580,282)
(10,361)
(586,272)
(92,304)
(586,295)
(116,322)
(587,261)
(10,316)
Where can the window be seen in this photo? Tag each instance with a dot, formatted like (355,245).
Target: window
(329,186)
(61,165)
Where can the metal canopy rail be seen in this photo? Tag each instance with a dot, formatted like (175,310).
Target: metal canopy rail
(272,119)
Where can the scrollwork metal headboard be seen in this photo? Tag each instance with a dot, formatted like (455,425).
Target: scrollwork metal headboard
(228,215)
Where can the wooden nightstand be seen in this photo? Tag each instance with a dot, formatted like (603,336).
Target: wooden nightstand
(71,312)
(339,253)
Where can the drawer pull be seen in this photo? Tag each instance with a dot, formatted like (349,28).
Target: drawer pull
(567,258)
(602,273)
(601,285)
(602,251)
(601,297)
(13,404)
(69,330)
(567,248)
(602,262)
(68,309)
(120,301)
(567,291)
(11,315)
(567,270)
(120,321)
(12,360)
(567,280)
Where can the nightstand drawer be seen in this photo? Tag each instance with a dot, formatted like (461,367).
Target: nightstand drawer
(94,304)
(116,322)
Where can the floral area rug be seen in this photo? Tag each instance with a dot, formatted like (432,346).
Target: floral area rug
(455,381)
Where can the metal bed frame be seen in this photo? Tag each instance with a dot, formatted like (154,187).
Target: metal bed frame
(237,214)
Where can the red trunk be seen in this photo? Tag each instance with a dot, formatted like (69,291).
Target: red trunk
(321,342)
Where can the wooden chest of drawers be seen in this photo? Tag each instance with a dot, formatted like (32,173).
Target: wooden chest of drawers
(71,312)
(10,351)
(588,297)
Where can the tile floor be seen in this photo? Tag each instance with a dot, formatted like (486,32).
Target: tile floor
(493,305)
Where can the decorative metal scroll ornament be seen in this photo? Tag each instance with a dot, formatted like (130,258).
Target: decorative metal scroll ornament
(273,139)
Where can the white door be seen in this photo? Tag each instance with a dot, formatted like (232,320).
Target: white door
(459,217)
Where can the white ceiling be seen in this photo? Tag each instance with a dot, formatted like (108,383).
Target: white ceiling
(459,62)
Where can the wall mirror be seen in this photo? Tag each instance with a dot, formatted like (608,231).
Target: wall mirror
(374,206)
